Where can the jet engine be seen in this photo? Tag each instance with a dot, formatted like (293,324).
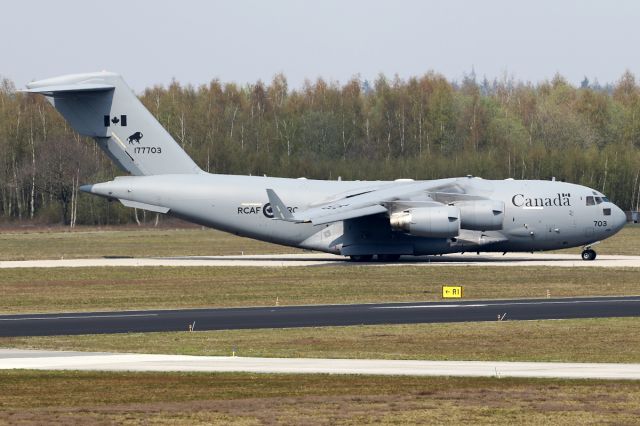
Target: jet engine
(433,222)
(481,215)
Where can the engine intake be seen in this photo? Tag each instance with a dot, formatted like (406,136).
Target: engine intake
(434,222)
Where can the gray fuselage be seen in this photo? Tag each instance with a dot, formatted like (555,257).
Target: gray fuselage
(538,215)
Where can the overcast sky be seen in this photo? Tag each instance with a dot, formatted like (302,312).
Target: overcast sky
(151,42)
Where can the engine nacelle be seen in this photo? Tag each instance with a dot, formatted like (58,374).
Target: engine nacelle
(481,215)
(433,222)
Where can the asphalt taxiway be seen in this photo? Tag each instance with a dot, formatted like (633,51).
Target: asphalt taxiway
(319,259)
(315,316)
(52,360)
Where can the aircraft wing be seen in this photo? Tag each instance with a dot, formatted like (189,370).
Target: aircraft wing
(325,213)
(339,212)
(389,197)
(381,200)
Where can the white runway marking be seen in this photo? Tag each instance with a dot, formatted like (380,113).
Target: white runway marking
(554,302)
(317,259)
(430,306)
(45,318)
(51,360)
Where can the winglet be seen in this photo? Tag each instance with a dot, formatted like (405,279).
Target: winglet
(280,211)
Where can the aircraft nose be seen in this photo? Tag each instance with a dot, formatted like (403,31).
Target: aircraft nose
(618,218)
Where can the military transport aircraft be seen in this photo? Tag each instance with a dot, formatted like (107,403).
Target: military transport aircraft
(359,219)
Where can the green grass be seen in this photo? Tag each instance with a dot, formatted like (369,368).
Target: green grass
(145,242)
(33,397)
(580,340)
(126,288)
(129,242)
(43,397)
(85,289)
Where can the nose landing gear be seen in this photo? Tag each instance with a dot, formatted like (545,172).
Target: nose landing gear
(588,254)
(380,257)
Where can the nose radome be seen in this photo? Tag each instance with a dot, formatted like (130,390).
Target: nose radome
(619,218)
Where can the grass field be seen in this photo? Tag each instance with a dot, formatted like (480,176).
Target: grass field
(90,289)
(91,242)
(33,397)
(584,340)
(30,397)
(84,289)
(126,288)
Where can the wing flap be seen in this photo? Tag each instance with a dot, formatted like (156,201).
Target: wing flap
(349,214)
(321,215)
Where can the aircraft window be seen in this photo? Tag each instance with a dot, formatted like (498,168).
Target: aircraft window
(590,201)
(605,199)
(598,200)
(606,212)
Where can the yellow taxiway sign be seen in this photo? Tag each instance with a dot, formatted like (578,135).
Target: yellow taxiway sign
(451,292)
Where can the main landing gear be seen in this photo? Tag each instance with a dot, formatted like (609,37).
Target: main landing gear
(380,257)
(361,258)
(588,254)
(388,257)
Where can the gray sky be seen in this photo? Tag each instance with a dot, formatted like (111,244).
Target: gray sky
(149,42)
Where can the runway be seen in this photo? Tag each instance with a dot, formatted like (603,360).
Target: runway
(322,259)
(50,360)
(315,316)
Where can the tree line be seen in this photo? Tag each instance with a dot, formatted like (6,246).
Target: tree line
(422,128)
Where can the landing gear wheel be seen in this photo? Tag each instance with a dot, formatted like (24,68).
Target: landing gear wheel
(361,258)
(388,257)
(588,254)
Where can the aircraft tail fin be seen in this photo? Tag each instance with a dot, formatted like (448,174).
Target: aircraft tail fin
(102,106)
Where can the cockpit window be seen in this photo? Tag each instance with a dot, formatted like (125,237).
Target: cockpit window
(605,199)
(590,201)
(598,200)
